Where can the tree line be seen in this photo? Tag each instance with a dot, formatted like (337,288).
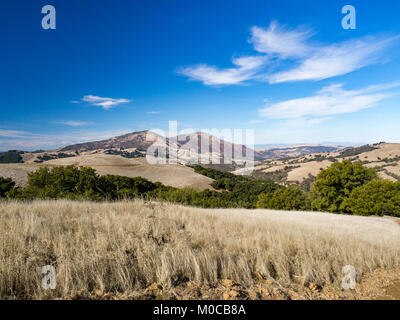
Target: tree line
(344,187)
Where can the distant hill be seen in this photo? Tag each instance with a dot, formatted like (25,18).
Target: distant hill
(125,155)
(190,148)
(11,156)
(302,170)
(138,140)
(135,140)
(275,152)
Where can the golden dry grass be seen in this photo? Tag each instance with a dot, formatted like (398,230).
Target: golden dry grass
(178,176)
(125,246)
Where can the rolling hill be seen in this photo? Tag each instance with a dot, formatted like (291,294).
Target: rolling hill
(302,170)
(125,155)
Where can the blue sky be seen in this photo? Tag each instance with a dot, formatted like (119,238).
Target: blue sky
(284,68)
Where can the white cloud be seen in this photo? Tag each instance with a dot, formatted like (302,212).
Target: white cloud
(153,112)
(72,123)
(246,68)
(255,121)
(105,103)
(279,44)
(304,122)
(279,41)
(12,133)
(335,60)
(331,100)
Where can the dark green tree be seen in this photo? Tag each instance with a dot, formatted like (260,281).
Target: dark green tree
(290,198)
(6,185)
(333,186)
(377,197)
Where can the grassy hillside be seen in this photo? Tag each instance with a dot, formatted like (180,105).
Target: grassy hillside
(302,170)
(148,250)
(178,176)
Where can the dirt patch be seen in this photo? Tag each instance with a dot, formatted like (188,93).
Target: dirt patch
(378,285)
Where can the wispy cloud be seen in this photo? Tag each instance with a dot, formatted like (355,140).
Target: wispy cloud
(303,122)
(245,69)
(72,123)
(279,44)
(105,103)
(280,41)
(335,60)
(153,112)
(255,121)
(331,100)
(12,133)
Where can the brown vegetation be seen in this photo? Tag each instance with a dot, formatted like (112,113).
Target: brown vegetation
(137,249)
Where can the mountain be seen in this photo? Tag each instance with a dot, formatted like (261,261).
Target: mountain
(125,155)
(136,140)
(281,152)
(197,147)
(189,148)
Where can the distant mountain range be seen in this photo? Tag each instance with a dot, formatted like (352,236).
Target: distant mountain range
(296,151)
(124,155)
(188,147)
(196,141)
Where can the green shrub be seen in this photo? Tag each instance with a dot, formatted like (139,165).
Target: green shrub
(6,185)
(357,150)
(291,198)
(343,187)
(11,156)
(334,185)
(378,197)
(81,183)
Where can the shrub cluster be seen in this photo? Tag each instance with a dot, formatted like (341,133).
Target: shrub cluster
(377,197)
(47,157)
(85,184)
(344,187)
(11,156)
(291,198)
(6,185)
(79,183)
(252,193)
(347,187)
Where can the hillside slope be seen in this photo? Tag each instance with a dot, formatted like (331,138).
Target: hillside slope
(385,157)
(172,175)
(296,150)
(152,250)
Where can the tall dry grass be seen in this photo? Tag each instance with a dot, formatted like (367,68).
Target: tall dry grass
(125,246)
